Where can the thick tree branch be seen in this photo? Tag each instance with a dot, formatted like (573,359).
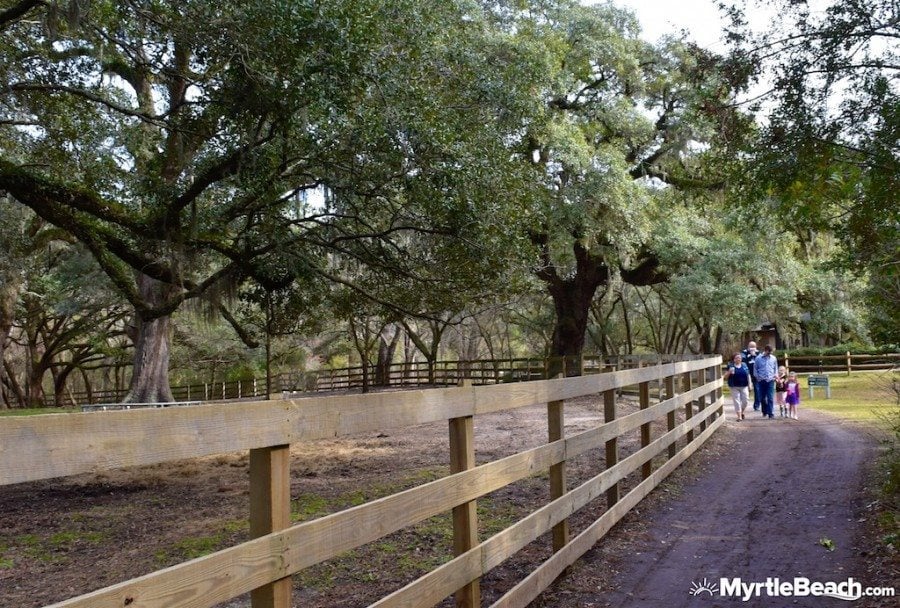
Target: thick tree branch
(242,333)
(17,11)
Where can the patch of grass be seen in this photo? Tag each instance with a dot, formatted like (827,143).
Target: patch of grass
(61,540)
(308,506)
(49,548)
(189,548)
(28,540)
(423,476)
(198,546)
(353,499)
(493,518)
(863,397)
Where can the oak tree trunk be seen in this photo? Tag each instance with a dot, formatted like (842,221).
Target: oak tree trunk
(4,336)
(150,377)
(9,296)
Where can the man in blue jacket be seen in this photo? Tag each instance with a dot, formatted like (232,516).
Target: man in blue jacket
(765,368)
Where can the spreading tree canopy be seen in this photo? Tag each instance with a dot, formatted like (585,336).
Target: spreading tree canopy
(620,118)
(192,145)
(828,157)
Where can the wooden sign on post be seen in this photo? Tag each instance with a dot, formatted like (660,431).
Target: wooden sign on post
(821,380)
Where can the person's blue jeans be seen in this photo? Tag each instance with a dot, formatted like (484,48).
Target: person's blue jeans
(766,390)
(756,399)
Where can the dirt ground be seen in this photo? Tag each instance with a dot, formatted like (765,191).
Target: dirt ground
(66,537)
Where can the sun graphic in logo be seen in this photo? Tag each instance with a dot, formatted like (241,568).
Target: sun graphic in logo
(704,586)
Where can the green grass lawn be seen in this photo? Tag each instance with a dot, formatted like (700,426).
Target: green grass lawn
(865,397)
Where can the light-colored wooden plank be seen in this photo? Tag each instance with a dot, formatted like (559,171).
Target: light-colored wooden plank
(270,511)
(60,445)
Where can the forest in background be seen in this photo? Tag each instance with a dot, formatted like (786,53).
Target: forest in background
(196,193)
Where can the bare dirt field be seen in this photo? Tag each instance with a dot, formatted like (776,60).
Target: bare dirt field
(69,536)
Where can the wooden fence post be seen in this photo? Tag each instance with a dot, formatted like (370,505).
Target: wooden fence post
(719,391)
(644,397)
(849,361)
(465,516)
(612,446)
(687,384)
(556,431)
(701,401)
(670,417)
(270,511)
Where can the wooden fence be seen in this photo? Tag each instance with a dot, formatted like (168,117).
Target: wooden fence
(41,447)
(840,363)
(205,391)
(417,373)
(450,373)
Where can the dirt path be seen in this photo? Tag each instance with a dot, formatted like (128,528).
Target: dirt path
(761,508)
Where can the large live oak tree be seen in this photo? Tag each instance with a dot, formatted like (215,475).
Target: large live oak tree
(192,145)
(621,117)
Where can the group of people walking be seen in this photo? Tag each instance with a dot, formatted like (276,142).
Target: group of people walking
(772,384)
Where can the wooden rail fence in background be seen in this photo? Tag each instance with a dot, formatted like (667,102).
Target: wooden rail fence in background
(41,447)
(450,373)
(840,363)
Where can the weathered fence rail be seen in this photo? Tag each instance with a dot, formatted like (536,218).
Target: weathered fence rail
(841,363)
(54,446)
(450,373)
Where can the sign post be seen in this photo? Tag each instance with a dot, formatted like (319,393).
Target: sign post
(820,380)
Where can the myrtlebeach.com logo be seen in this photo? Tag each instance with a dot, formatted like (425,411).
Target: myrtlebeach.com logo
(799,586)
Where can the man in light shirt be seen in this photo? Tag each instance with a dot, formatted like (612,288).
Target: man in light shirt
(765,369)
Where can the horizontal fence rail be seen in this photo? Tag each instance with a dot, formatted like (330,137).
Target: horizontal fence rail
(841,363)
(480,372)
(57,446)
(450,373)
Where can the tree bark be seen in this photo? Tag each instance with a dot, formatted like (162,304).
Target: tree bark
(9,296)
(386,350)
(150,377)
(4,336)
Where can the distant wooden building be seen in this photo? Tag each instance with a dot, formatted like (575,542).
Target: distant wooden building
(765,333)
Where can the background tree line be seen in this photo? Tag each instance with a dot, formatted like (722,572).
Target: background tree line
(195,191)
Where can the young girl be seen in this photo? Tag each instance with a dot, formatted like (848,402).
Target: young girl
(780,381)
(792,394)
